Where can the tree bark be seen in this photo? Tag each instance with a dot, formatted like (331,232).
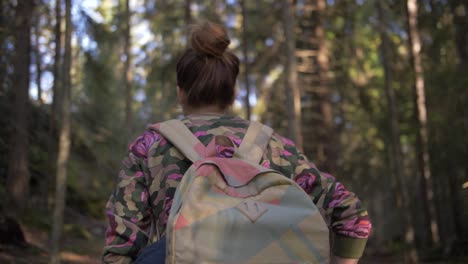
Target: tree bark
(64,143)
(290,75)
(188,12)
(38,57)
(246,59)
(127,72)
(187,17)
(326,107)
(319,131)
(395,159)
(423,138)
(18,172)
(57,85)
(460,19)
(5,32)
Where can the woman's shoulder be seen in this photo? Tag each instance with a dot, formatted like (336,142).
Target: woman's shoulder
(206,121)
(286,142)
(143,143)
(150,137)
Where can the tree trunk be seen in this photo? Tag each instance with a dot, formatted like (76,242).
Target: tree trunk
(57,85)
(246,59)
(37,56)
(395,159)
(423,151)
(188,13)
(460,19)
(319,131)
(329,138)
(18,173)
(64,143)
(5,20)
(290,75)
(187,17)
(127,72)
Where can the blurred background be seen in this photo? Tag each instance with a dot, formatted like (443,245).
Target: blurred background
(374,92)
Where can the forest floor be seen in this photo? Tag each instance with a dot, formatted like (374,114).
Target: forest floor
(84,239)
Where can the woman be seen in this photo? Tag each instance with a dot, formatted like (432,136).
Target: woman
(206,76)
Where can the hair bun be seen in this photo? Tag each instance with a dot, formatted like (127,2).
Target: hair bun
(209,38)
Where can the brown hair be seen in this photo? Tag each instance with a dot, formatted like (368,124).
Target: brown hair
(206,71)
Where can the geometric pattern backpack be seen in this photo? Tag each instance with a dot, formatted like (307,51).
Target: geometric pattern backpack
(233,210)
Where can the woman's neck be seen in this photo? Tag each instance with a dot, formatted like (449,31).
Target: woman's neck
(212,109)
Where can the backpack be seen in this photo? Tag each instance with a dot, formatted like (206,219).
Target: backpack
(233,210)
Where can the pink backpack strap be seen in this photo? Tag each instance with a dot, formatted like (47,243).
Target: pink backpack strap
(254,142)
(183,139)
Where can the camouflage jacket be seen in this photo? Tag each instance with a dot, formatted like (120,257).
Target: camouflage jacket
(153,168)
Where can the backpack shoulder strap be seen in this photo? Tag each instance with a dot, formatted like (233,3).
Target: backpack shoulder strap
(183,139)
(255,142)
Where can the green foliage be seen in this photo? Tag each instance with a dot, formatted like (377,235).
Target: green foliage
(100,137)
(77,231)
(80,199)
(37,218)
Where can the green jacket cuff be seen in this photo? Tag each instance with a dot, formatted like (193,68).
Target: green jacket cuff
(348,247)
(116,259)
